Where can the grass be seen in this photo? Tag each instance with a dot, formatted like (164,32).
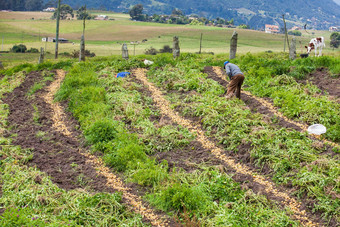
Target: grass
(114,117)
(229,122)
(107,107)
(30,198)
(106,37)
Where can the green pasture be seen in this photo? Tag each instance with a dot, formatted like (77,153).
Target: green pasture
(105,38)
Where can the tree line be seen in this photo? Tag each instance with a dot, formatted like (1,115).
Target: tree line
(21,5)
(176,17)
(37,5)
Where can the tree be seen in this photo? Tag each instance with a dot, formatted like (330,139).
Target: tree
(243,26)
(21,48)
(83,14)
(177,12)
(18,5)
(335,35)
(335,40)
(5,4)
(156,18)
(136,13)
(50,3)
(295,33)
(65,11)
(33,5)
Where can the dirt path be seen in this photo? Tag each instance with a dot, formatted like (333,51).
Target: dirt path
(298,211)
(41,125)
(264,106)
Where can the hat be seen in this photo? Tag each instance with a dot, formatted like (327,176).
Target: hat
(226,62)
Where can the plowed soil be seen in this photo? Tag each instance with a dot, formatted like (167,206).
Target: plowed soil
(254,105)
(32,123)
(326,83)
(58,156)
(190,156)
(268,115)
(247,180)
(53,152)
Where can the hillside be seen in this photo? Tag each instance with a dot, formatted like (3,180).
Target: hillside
(317,14)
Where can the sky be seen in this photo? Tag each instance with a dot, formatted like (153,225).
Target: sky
(337,1)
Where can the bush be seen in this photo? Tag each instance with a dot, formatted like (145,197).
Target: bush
(295,33)
(183,197)
(66,54)
(33,50)
(334,43)
(75,54)
(102,131)
(21,48)
(127,155)
(151,51)
(166,49)
(243,26)
(335,40)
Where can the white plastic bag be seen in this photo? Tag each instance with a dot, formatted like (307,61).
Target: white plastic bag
(316,129)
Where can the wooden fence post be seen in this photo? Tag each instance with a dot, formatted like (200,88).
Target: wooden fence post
(57,32)
(201,44)
(286,34)
(82,49)
(42,56)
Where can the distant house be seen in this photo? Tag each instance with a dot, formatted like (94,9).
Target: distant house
(296,28)
(333,29)
(49,9)
(51,39)
(271,28)
(101,17)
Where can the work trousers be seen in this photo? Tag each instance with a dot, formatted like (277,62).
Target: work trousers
(235,84)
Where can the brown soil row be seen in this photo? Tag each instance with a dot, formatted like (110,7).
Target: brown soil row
(186,157)
(265,106)
(57,149)
(322,79)
(269,187)
(191,156)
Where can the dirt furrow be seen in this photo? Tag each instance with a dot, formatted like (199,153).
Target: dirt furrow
(13,83)
(112,180)
(190,156)
(270,107)
(298,212)
(322,78)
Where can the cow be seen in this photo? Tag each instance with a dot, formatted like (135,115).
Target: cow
(316,43)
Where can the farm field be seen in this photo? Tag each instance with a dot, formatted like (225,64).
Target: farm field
(105,38)
(163,147)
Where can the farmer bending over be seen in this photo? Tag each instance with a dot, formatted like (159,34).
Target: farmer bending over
(236,79)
